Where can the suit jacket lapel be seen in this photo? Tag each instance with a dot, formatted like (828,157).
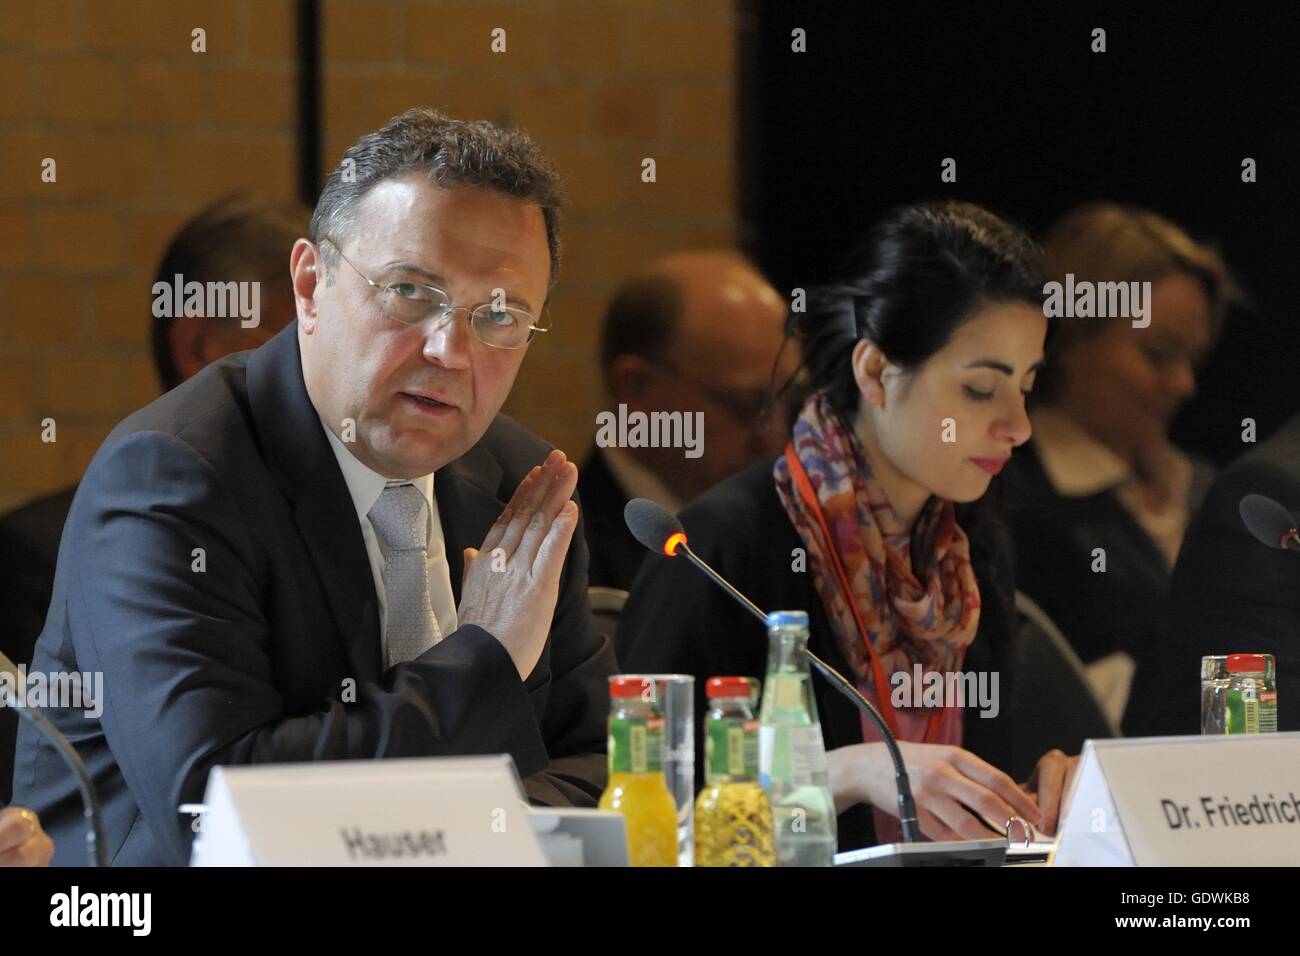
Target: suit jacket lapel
(468,494)
(299,456)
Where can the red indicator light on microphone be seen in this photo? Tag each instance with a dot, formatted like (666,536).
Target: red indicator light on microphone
(674,539)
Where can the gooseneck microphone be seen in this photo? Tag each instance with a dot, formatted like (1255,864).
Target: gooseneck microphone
(659,530)
(1269,522)
(96,844)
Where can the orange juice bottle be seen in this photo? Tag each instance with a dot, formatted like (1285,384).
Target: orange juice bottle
(637,788)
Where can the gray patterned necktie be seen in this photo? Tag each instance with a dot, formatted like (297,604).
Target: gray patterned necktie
(401,520)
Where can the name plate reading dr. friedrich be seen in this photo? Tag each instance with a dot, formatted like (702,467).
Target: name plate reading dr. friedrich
(1184,801)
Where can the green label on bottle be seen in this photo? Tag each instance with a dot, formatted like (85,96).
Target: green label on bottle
(1268,712)
(636,745)
(1243,708)
(731,748)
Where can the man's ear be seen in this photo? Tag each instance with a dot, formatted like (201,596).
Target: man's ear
(869,364)
(305,270)
(187,337)
(628,379)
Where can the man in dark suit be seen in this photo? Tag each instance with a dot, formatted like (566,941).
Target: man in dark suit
(306,552)
(236,238)
(696,332)
(1230,594)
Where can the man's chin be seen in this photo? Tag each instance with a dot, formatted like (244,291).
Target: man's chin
(415,454)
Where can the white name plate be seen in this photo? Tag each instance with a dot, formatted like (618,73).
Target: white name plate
(1185,801)
(446,811)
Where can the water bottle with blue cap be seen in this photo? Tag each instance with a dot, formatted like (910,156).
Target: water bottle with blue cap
(792,754)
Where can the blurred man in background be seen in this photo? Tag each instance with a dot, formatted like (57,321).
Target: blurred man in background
(239,238)
(693,332)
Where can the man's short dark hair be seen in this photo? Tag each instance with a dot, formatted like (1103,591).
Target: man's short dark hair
(452,153)
(240,237)
(641,319)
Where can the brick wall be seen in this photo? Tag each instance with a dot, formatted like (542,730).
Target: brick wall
(144,131)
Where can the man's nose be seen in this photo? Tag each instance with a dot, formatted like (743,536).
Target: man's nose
(448,339)
(1182,383)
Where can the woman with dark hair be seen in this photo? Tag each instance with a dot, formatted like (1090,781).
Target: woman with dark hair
(917,368)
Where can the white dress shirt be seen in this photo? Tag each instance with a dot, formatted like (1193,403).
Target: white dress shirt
(365,487)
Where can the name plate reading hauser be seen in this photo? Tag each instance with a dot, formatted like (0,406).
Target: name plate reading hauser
(445,811)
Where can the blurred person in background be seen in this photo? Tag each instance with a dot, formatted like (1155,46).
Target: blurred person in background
(1101,481)
(695,331)
(1230,594)
(239,238)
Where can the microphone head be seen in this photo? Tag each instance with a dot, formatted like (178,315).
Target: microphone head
(654,526)
(1267,520)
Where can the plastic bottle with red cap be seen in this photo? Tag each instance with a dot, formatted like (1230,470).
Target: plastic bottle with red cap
(1252,694)
(733,816)
(637,788)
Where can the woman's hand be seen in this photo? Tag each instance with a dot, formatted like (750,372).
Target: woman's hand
(1048,783)
(22,841)
(942,777)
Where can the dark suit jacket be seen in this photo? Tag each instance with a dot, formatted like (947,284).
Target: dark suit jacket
(1120,609)
(678,621)
(29,546)
(1230,594)
(245,662)
(615,554)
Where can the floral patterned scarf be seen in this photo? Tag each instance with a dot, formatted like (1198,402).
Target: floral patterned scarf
(908,619)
